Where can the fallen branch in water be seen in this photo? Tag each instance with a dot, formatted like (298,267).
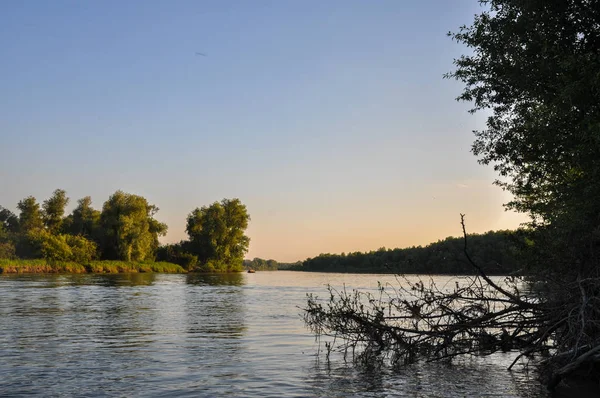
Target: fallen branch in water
(477,316)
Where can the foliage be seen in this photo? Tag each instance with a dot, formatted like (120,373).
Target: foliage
(7,247)
(54,247)
(62,248)
(496,252)
(9,222)
(84,220)
(176,253)
(82,250)
(217,235)
(535,68)
(124,230)
(297,266)
(259,264)
(130,233)
(7,250)
(53,210)
(30,216)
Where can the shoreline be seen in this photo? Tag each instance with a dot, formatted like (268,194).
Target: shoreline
(40,266)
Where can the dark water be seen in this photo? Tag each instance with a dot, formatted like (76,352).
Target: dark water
(196,335)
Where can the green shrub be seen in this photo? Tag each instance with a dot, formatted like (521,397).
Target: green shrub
(56,248)
(7,250)
(61,247)
(82,250)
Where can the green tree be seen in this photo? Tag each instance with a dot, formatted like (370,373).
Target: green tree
(129,230)
(84,220)
(9,222)
(30,216)
(7,246)
(54,210)
(534,67)
(217,235)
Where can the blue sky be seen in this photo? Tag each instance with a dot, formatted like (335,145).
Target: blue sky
(329,120)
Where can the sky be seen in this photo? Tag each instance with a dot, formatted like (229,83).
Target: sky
(330,120)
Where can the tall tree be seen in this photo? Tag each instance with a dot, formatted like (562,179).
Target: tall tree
(30,216)
(217,235)
(8,220)
(54,210)
(130,232)
(84,220)
(534,67)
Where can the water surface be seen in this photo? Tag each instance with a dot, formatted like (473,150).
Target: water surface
(203,335)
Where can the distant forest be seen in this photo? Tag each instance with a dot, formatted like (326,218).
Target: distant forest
(495,252)
(259,264)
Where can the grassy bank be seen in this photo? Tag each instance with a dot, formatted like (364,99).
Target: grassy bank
(40,266)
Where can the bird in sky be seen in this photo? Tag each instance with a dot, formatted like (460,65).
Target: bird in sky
(201,54)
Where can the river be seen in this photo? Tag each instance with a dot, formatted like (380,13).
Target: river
(241,335)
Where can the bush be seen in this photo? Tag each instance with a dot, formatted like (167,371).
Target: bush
(56,248)
(82,250)
(66,248)
(176,253)
(187,261)
(7,250)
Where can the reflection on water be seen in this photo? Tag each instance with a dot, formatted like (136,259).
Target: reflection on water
(233,279)
(201,335)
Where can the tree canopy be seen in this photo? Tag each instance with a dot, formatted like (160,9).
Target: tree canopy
(126,230)
(84,220)
(54,210)
(130,233)
(217,234)
(259,264)
(9,222)
(30,216)
(534,65)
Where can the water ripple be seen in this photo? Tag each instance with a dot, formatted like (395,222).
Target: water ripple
(196,335)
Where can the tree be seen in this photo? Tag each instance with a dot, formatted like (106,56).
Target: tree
(9,226)
(217,235)
(534,67)
(130,233)
(178,253)
(9,222)
(30,216)
(54,210)
(84,220)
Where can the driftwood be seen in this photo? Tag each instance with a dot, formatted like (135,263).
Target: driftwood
(479,315)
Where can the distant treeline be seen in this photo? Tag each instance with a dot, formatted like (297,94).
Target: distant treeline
(495,252)
(259,264)
(124,230)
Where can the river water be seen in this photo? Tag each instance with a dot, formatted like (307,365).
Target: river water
(160,335)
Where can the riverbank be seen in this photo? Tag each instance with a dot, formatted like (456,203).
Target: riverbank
(41,266)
